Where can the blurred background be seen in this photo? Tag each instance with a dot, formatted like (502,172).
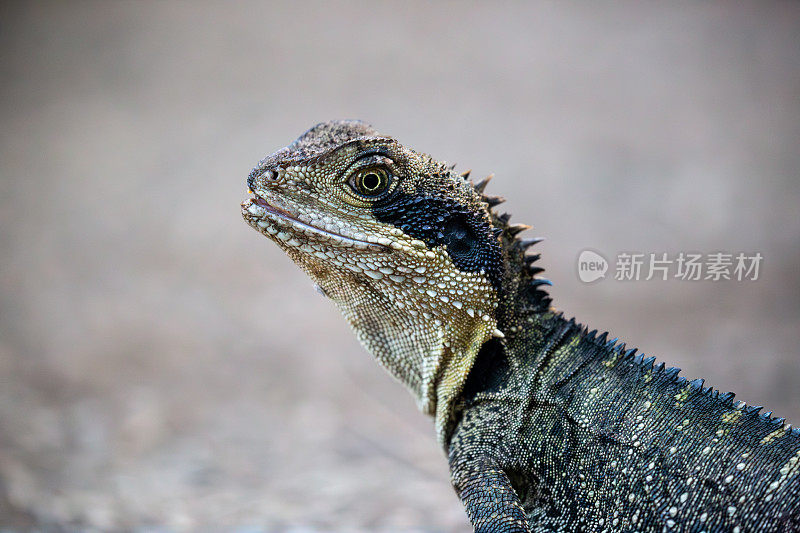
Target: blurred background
(165,368)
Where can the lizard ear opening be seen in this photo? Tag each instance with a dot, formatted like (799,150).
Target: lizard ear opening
(470,244)
(459,238)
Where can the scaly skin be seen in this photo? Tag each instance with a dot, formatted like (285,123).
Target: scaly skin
(547,427)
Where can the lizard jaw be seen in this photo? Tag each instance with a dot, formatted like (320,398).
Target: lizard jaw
(273,221)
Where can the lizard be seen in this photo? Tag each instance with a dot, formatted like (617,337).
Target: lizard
(547,426)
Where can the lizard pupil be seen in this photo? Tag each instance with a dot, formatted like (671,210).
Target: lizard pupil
(371,181)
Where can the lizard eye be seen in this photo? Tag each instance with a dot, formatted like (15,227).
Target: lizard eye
(371,181)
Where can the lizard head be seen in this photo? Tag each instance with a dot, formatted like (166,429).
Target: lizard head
(401,243)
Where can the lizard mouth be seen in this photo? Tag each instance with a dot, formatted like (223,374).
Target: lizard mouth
(265,216)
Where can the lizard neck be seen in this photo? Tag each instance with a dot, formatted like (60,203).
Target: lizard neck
(428,347)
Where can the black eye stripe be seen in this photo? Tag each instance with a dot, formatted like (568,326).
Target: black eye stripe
(435,221)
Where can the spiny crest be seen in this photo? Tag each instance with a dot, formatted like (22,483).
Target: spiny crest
(671,375)
(516,248)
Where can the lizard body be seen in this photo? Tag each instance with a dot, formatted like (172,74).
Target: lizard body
(547,427)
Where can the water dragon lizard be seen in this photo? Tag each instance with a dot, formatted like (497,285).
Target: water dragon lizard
(547,426)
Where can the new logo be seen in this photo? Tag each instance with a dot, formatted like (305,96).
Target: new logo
(591,266)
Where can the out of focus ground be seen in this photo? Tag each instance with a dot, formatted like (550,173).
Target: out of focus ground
(163,367)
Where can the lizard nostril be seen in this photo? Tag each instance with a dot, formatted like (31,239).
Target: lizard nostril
(269,175)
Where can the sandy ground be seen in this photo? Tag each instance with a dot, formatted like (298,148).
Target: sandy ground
(164,368)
